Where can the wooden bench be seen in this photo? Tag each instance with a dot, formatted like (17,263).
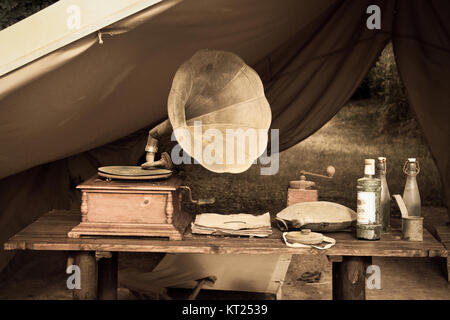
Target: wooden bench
(97,256)
(443,235)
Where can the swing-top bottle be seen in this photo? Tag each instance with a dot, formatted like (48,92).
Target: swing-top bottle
(411,195)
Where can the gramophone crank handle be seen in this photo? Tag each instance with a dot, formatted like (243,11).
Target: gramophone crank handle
(204,201)
(199,201)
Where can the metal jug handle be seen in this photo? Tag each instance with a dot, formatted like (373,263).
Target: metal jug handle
(199,201)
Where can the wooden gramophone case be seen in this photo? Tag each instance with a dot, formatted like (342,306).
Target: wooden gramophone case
(131,208)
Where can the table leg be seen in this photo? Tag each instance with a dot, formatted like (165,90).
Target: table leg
(107,277)
(88,276)
(349,278)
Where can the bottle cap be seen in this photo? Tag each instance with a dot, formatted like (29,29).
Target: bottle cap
(369,166)
(411,167)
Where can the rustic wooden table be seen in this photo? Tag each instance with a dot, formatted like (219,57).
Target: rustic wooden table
(97,256)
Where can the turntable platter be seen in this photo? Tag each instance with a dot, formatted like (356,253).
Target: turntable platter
(133,173)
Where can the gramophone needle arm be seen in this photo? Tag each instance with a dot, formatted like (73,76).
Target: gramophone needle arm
(152,143)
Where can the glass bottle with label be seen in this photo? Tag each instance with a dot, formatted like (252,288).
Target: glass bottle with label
(368,223)
(385,199)
(411,195)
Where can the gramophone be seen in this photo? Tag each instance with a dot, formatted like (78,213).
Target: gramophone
(215,103)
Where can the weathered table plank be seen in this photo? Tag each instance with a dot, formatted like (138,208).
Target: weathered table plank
(50,233)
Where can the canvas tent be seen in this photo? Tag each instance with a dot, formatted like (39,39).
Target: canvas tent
(63,101)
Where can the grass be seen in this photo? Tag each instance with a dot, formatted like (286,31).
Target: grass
(344,142)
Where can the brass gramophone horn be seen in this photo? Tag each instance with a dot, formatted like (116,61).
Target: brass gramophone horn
(217,110)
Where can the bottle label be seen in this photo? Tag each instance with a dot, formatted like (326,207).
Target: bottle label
(366,208)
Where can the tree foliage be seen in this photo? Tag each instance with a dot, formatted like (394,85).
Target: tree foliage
(383,83)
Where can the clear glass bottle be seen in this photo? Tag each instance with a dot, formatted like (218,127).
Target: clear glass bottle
(368,223)
(385,198)
(411,195)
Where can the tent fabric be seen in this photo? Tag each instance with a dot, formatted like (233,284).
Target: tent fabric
(421,43)
(88,94)
(310,55)
(60,24)
(318,70)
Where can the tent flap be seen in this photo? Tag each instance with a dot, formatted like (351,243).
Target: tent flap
(422,52)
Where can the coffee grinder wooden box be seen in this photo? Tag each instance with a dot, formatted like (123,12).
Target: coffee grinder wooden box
(131,208)
(301,195)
